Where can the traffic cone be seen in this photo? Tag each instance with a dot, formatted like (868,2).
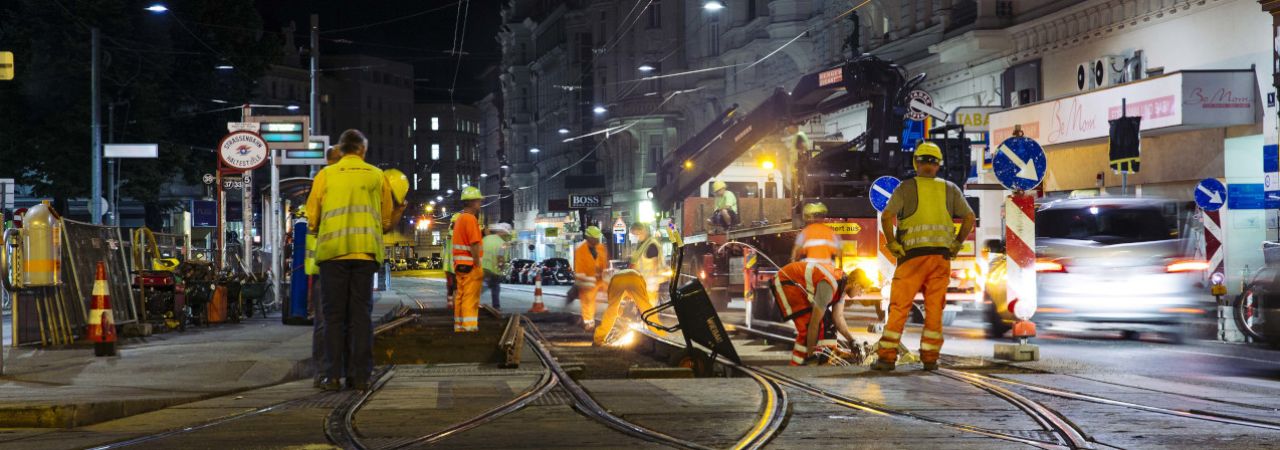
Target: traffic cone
(538,307)
(102,328)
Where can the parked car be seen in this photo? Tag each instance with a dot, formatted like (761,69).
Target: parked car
(556,271)
(516,270)
(400,264)
(422,263)
(1107,264)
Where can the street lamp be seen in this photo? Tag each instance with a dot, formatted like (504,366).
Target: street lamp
(231,67)
(292,107)
(712,5)
(157,8)
(450,192)
(534,150)
(484,175)
(646,68)
(564,131)
(439,198)
(599,109)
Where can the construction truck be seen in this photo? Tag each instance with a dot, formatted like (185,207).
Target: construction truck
(774,168)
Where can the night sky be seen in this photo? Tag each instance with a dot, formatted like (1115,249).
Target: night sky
(417,32)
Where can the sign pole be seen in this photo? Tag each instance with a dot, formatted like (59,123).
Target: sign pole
(881,190)
(222,220)
(1020,165)
(277,243)
(246,235)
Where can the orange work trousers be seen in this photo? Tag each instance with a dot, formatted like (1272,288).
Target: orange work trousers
(466,305)
(627,284)
(587,296)
(930,273)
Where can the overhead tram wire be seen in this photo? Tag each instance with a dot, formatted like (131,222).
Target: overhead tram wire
(806,31)
(393,20)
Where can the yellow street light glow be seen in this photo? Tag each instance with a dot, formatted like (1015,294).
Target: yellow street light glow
(688,164)
(767,164)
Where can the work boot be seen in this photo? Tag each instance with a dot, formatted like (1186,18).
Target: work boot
(330,385)
(930,366)
(883,365)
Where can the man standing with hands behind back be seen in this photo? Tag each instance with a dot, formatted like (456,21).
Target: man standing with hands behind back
(352,206)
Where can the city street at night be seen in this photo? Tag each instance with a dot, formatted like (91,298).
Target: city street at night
(617,224)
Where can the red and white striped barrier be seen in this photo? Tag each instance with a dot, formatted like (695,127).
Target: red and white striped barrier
(1020,249)
(538,306)
(1213,238)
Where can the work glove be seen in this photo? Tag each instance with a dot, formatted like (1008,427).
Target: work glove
(896,249)
(955,248)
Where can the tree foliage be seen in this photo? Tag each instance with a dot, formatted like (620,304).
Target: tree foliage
(158,72)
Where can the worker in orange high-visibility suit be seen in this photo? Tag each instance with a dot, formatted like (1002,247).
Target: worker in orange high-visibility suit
(816,242)
(589,262)
(924,242)
(807,292)
(468,248)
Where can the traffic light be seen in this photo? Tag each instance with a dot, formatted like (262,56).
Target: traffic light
(6,66)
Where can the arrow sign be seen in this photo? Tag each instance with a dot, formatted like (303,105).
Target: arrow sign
(1210,194)
(881,190)
(1019,163)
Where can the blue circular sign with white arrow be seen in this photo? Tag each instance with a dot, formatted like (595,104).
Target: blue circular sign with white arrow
(881,190)
(1211,195)
(1019,163)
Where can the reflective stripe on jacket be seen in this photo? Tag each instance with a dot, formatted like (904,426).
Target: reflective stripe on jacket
(649,268)
(819,243)
(586,267)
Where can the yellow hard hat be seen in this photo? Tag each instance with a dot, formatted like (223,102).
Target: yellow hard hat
(399,183)
(594,231)
(718,185)
(929,149)
(471,193)
(302,211)
(813,209)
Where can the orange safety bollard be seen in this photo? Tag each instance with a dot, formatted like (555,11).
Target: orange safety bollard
(102,328)
(538,307)
(1024,329)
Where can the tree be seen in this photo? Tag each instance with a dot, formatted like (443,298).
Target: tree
(158,71)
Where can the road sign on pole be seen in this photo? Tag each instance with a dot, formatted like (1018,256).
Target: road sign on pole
(243,150)
(881,190)
(1019,163)
(1211,194)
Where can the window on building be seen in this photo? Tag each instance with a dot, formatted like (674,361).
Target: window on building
(435,124)
(435,152)
(457,152)
(655,153)
(435,181)
(415,181)
(655,14)
(415,152)
(713,36)
(415,124)
(1022,84)
(752,12)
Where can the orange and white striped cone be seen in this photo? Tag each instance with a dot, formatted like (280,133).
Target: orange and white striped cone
(102,328)
(538,307)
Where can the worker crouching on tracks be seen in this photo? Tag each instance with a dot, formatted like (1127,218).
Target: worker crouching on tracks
(468,249)
(924,243)
(808,294)
(354,207)
(639,283)
(589,262)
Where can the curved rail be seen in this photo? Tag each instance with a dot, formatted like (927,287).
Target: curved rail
(247,414)
(776,409)
(1190,414)
(588,406)
(545,383)
(1066,432)
(339,425)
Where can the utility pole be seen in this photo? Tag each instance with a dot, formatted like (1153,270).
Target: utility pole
(95,193)
(315,74)
(111,164)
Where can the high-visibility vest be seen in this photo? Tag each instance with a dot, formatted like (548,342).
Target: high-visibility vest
(448,245)
(930,225)
(462,255)
(794,288)
(649,268)
(351,211)
(309,264)
(820,243)
(585,266)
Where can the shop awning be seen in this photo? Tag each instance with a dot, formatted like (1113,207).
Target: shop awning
(1177,101)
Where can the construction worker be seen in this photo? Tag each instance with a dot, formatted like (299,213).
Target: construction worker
(639,283)
(817,242)
(495,241)
(467,251)
(589,262)
(726,212)
(924,242)
(353,207)
(450,278)
(807,294)
(331,156)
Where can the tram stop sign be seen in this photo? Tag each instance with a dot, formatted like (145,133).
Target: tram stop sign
(881,190)
(1019,163)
